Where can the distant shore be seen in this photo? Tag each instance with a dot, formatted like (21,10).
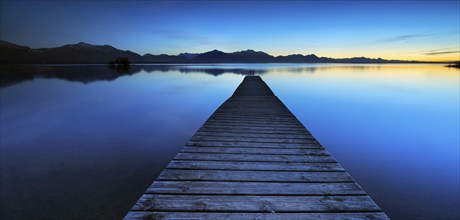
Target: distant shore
(449,64)
(83,53)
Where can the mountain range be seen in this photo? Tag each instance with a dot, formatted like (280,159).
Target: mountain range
(101,54)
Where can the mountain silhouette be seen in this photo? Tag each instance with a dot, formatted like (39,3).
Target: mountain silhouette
(247,56)
(188,56)
(70,53)
(162,58)
(299,58)
(101,54)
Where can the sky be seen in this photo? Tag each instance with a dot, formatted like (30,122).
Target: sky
(408,30)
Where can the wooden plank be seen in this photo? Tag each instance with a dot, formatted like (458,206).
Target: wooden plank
(251,144)
(251,97)
(258,109)
(254,216)
(255,128)
(222,203)
(305,140)
(244,133)
(300,147)
(254,131)
(287,116)
(253,188)
(253,105)
(251,119)
(254,166)
(255,176)
(254,157)
(253,114)
(243,124)
(254,110)
(242,150)
(254,123)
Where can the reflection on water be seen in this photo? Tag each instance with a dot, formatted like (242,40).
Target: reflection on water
(11,74)
(93,73)
(89,149)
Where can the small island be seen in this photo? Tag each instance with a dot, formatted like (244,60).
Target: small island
(454,65)
(121,64)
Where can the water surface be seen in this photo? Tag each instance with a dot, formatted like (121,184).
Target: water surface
(84,142)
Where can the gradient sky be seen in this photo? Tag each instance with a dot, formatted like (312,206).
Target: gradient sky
(411,30)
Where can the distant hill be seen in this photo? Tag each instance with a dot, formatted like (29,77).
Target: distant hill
(163,58)
(70,53)
(188,56)
(248,56)
(299,58)
(88,53)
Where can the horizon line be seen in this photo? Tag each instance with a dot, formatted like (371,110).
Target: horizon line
(215,49)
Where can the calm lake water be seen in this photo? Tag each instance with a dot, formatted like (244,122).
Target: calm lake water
(84,142)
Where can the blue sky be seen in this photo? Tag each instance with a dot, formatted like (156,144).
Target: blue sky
(422,30)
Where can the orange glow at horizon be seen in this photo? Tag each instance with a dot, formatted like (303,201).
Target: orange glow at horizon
(442,57)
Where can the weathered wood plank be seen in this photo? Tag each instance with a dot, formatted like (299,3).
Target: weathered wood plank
(247,118)
(254,131)
(254,114)
(254,124)
(253,188)
(222,203)
(251,97)
(255,157)
(253,111)
(305,140)
(264,115)
(230,118)
(255,176)
(256,216)
(254,104)
(239,115)
(266,126)
(254,166)
(249,127)
(242,150)
(254,135)
(252,144)
(301,147)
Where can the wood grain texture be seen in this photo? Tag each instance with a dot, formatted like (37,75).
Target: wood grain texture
(222,203)
(254,166)
(254,176)
(262,151)
(256,216)
(253,188)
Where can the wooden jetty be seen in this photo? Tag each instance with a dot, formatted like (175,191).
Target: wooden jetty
(252,159)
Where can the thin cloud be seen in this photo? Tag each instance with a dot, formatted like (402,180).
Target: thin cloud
(432,52)
(442,52)
(401,38)
(406,37)
(437,50)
